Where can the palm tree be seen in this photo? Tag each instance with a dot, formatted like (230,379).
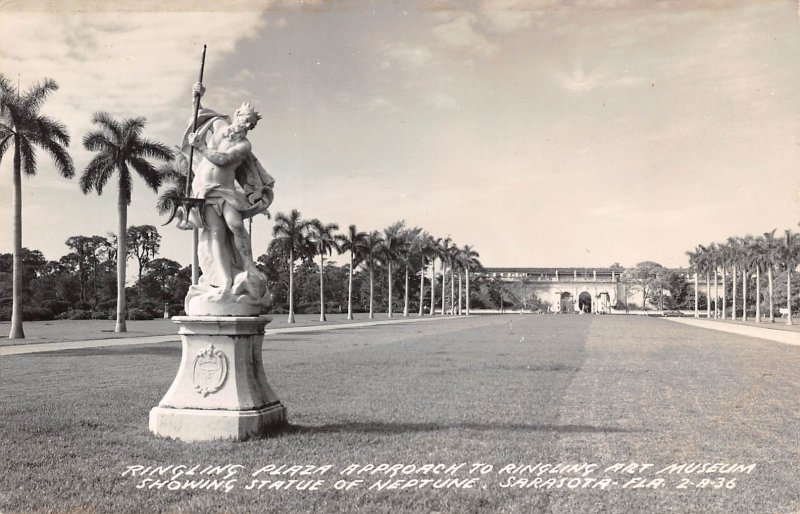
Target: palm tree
(409,255)
(460,265)
(705,267)
(694,265)
(469,259)
(746,260)
(790,254)
(372,250)
(290,238)
(452,255)
(426,252)
(436,246)
(391,250)
(757,261)
(325,241)
(715,257)
(353,242)
(23,125)
(734,253)
(724,258)
(771,248)
(444,258)
(120,147)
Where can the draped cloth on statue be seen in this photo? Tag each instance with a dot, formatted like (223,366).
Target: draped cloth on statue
(230,283)
(254,194)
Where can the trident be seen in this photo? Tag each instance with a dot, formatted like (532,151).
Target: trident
(183,206)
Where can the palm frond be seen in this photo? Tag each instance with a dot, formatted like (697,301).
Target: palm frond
(98,141)
(147,171)
(49,128)
(107,122)
(5,142)
(60,157)
(132,128)
(169,197)
(35,95)
(154,150)
(96,174)
(27,155)
(6,86)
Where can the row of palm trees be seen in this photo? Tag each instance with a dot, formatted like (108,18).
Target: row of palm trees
(120,147)
(742,258)
(398,247)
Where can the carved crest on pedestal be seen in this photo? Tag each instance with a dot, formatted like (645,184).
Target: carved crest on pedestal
(209,371)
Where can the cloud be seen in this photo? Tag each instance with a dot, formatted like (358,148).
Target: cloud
(627,81)
(417,56)
(580,82)
(139,64)
(440,100)
(506,16)
(380,105)
(457,29)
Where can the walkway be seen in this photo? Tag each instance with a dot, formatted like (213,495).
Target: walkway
(777,334)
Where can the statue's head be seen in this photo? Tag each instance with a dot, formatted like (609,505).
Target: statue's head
(246,115)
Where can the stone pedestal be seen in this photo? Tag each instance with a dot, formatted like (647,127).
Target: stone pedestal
(220,391)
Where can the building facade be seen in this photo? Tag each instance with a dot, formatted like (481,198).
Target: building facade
(568,290)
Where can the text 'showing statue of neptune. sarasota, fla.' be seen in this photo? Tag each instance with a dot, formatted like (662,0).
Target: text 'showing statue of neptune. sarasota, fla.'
(233,186)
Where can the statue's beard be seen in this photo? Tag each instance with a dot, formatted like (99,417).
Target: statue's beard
(235,132)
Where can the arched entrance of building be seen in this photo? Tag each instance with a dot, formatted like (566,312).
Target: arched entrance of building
(566,303)
(585,302)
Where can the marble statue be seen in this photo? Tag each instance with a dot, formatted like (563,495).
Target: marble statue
(231,186)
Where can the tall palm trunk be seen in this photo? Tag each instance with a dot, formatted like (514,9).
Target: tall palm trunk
(433,286)
(16,295)
(733,294)
(390,289)
(788,295)
(466,299)
(444,285)
(291,286)
(405,307)
(322,286)
(122,254)
(708,295)
(758,293)
(744,293)
(452,291)
(371,293)
(771,303)
(422,289)
(696,298)
(716,293)
(724,294)
(350,289)
(459,293)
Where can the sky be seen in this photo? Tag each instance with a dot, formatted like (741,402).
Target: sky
(543,133)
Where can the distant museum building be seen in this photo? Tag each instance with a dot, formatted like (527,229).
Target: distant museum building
(590,290)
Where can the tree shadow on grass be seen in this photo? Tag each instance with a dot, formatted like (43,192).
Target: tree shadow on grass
(377,427)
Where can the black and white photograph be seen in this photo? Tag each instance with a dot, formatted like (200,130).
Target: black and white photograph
(424,256)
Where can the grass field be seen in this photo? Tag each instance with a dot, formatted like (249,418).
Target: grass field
(495,390)
(78,330)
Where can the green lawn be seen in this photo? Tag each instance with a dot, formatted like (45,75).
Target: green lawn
(496,390)
(81,330)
